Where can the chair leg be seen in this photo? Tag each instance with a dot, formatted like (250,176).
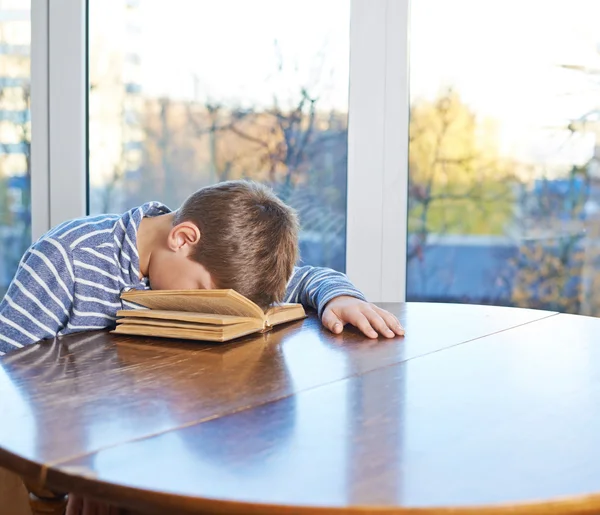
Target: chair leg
(45,502)
(21,497)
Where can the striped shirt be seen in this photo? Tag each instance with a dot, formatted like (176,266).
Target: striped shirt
(71,279)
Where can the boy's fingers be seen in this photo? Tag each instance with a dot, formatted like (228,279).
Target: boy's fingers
(379,324)
(362,322)
(392,322)
(332,322)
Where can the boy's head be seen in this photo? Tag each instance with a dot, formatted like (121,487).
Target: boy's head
(246,239)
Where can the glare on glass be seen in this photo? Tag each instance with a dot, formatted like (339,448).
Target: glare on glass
(504,189)
(15,136)
(187,93)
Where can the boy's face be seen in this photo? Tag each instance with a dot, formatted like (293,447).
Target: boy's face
(175,271)
(170,266)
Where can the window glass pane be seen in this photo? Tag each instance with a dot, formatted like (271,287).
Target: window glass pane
(15,136)
(504,198)
(186,93)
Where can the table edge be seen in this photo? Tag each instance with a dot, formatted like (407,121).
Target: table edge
(157,502)
(50,475)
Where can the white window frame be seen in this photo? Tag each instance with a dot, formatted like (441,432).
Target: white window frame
(40,178)
(377,141)
(378,148)
(58,112)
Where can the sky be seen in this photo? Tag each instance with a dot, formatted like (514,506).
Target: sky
(230,50)
(502,56)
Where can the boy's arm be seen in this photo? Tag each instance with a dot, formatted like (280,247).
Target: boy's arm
(314,287)
(338,302)
(39,300)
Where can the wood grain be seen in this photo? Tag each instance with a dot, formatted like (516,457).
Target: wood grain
(507,421)
(455,414)
(82,393)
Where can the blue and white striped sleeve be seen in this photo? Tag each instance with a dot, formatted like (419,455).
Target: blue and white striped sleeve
(39,299)
(314,287)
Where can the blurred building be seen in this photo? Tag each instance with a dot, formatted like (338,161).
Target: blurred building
(115,102)
(115,108)
(15,135)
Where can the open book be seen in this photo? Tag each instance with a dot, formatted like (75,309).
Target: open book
(211,315)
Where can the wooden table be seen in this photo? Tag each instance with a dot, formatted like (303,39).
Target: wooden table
(476,407)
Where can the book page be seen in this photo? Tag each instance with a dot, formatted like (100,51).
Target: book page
(183,316)
(224,333)
(250,323)
(282,313)
(221,302)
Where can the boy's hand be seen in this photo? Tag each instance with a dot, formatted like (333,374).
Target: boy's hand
(367,317)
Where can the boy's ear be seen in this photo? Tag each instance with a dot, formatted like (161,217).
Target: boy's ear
(183,237)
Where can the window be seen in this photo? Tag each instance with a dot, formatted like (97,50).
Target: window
(504,191)
(15,136)
(501,145)
(187,93)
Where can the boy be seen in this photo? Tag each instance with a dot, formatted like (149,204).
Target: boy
(235,235)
